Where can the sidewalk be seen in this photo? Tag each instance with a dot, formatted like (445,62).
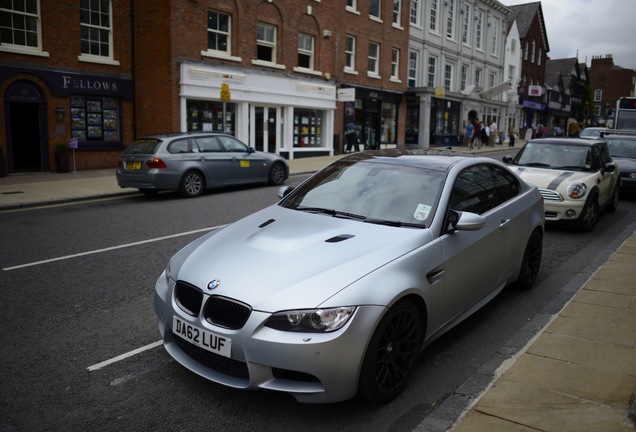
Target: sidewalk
(578,373)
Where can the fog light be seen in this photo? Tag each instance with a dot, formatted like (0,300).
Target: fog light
(570,213)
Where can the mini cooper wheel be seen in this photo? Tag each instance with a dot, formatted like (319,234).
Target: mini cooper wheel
(192,184)
(613,205)
(391,353)
(531,260)
(276,174)
(589,215)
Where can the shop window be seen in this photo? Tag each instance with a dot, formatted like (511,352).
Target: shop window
(308,128)
(389,123)
(95,118)
(207,116)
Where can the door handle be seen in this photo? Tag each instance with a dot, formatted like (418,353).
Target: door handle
(504,222)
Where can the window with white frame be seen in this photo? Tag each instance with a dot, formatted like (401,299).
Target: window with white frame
(466,18)
(219,32)
(511,74)
(479,28)
(494,36)
(433,16)
(395,64)
(477,77)
(413,61)
(598,95)
(415,12)
(374,8)
(525,50)
(20,25)
(397,12)
(266,42)
(513,46)
(534,48)
(374,59)
(305,51)
(350,53)
(450,19)
(432,70)
(492,78)
(96,28)
(463,77)
(540,56)
(352,4)
(448,77)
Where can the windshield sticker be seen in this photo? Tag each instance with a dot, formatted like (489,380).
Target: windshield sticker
(421,212)
(245,164)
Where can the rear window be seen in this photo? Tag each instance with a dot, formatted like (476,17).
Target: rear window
(144,146)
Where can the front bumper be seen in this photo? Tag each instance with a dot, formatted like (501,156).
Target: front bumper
(312,367)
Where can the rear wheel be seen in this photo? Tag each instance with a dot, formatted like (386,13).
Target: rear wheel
(192,184)
(391,353)
(589,216)
(276,174)
(531,260)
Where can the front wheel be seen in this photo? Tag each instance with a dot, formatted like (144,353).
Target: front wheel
(613,205)
(192,184)
(531,260)
(589,216)
(391,353)
(277,174)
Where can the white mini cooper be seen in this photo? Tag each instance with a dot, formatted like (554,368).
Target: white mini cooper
(577,178)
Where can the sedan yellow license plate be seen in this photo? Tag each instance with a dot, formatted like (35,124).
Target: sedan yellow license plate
(202,338)
(132,166)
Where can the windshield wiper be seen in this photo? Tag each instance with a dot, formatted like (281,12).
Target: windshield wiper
(569,167)
(393,223)
(331,212)
(536,164)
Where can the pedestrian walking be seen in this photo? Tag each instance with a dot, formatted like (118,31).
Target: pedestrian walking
(511,134)
(470,129)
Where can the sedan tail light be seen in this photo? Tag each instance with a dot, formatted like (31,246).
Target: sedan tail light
(156,163)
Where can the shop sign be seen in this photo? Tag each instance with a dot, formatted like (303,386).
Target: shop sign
(346,94)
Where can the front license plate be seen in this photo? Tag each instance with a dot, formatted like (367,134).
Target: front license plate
(132,166)
(208,341)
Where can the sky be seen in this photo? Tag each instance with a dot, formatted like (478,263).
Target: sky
(591,27)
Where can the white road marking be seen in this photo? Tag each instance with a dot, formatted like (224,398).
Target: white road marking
(108,249)
(125,356)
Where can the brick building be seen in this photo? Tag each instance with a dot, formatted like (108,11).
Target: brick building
(65,72)
(610,82)
(287,76)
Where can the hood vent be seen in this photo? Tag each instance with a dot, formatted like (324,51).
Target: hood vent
(339,238)
(264,224)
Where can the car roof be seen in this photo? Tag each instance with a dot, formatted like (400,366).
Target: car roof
(567,141)
(619,136)
(166,135)
(439,160)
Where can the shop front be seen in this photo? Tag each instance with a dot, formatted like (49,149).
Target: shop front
(43,108)
(290,116)
(371,119)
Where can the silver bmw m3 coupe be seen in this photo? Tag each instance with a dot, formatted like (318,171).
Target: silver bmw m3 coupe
(335,290)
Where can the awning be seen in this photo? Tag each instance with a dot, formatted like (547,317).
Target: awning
(499,88)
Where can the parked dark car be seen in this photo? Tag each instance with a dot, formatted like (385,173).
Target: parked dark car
(623,150)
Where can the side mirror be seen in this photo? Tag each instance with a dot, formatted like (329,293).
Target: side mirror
(251,150)
(465,221)
(609,168)
(508,160)
(283,191)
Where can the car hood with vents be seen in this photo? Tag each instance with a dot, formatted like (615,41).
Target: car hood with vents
(279,259)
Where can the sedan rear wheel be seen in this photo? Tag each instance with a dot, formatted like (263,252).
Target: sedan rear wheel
(192,184)
(589,216)
(531,260)
(391,353)
(276,174)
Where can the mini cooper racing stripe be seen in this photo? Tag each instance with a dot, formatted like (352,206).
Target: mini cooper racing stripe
(554,184)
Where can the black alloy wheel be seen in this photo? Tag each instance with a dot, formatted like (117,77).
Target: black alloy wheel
(391,353)
(276,174)
(590,213)
(531,260)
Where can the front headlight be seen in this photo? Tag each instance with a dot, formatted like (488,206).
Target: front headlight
(577,190)
(311,320)
(168,277)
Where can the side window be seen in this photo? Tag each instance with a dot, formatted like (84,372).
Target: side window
(596,158)
(506,184)
(474,191)
(208,144)
(232,144)
(606,157)
(179,146)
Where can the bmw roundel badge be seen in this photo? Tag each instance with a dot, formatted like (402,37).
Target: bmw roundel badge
(213,284)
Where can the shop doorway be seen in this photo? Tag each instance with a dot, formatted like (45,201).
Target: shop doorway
(265,121)
(372,131)
(26,134)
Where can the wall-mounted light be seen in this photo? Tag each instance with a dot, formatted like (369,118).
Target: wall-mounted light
(59,114)
(326,34)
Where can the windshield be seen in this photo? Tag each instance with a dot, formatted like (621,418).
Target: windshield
(591,132)
(622,147)
(143,146)
(562,156)
(371,191)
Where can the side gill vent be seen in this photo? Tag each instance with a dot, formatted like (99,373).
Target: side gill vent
(264,224)
(339,238)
